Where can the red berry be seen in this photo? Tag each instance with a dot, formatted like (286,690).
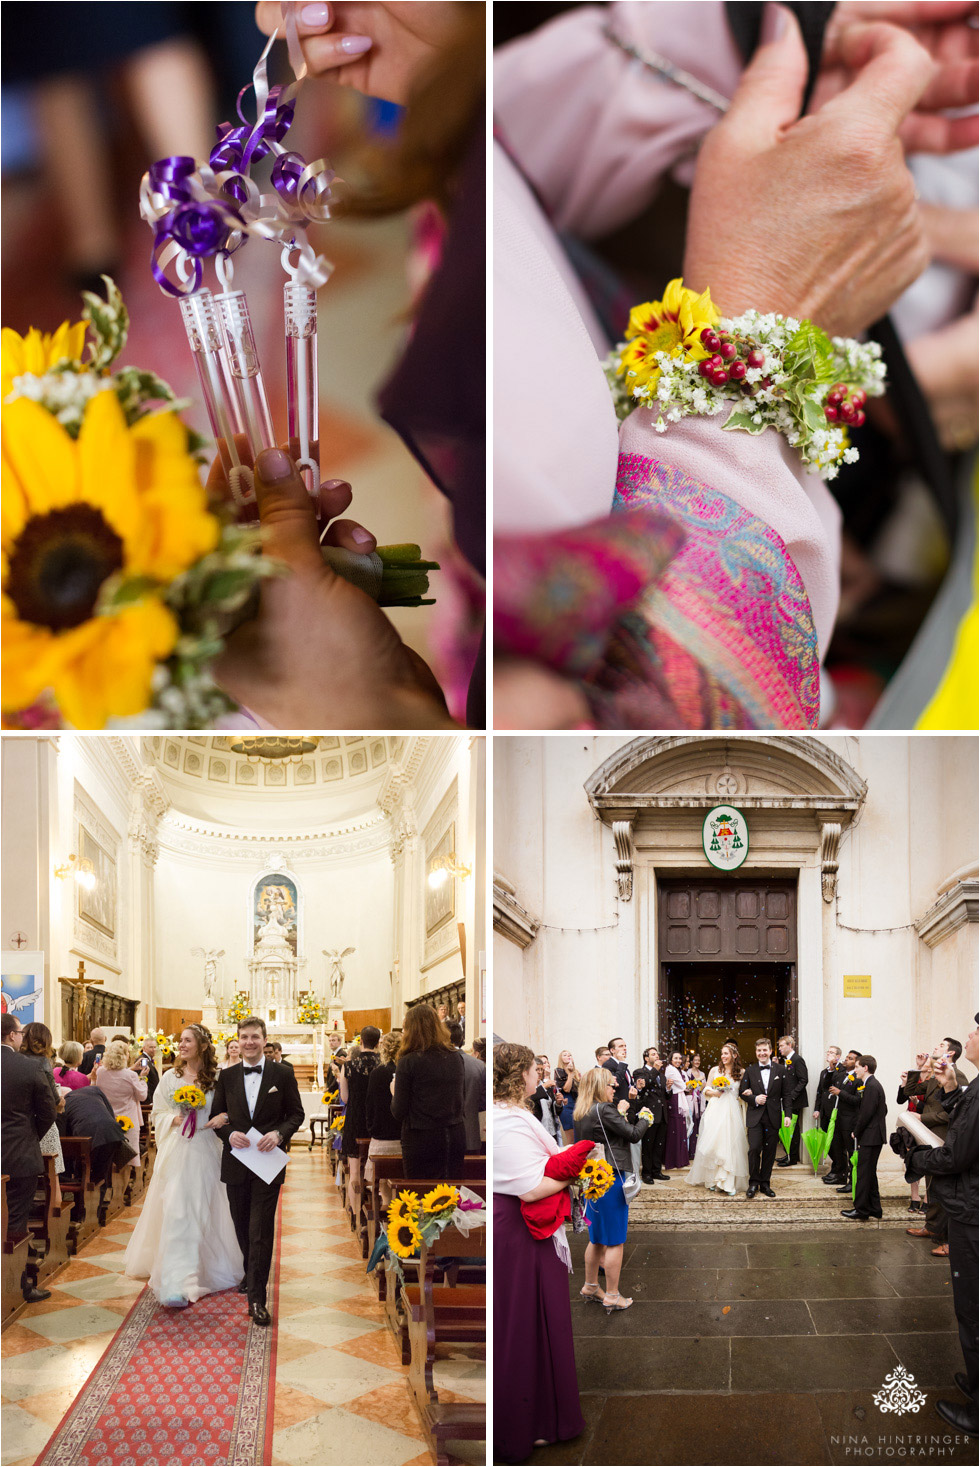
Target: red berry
(766,382)
(719,376)
(716,361)
(834,396)
(737,371)
(840,387)
(728,350)
(756,359)
(859,397)
(713,342)
(847,412)
(705,367)
(706,335)
(830,413)
(859,419)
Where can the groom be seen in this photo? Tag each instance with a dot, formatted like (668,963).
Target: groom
(262,1094)
(763,1090)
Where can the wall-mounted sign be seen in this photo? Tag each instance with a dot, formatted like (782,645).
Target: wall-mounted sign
(857,985)
(725,835)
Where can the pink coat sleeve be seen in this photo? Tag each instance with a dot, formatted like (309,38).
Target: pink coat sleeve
(594,130)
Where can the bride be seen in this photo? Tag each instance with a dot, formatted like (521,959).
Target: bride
(184,1241)
(721,1162)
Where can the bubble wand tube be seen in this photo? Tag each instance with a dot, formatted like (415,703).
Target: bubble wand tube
(302,398)
(243,363)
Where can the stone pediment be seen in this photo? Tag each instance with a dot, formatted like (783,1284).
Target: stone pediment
(691,770)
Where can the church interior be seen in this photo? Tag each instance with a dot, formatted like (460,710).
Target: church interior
(323,884)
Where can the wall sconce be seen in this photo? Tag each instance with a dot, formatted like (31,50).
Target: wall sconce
(81,868)
(441,868)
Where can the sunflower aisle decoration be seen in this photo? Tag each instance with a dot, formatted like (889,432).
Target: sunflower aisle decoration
(414,1220)
(119,576)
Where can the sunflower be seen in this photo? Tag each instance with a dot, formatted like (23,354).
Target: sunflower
(190,1095)
(125,1122)
(441,1199)
(404,1207)
(673,325)
(117,503)
(404,1237)
(37,352)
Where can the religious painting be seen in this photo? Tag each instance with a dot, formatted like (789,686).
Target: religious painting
(97,904)
(275,912)
(440,901)
(22,986)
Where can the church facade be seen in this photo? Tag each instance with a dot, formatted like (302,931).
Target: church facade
(685,891)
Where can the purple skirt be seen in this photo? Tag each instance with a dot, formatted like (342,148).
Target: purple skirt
(535,1387)
(676,1153)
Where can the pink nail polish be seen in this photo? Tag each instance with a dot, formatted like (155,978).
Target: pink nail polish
(362,537)
(356,45)
(315,16)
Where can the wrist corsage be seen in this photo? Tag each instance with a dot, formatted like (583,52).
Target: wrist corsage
(682,359)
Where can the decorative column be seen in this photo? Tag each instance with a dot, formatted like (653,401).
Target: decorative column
(147,804)
(405,857)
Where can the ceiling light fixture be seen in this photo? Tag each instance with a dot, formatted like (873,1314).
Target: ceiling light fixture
(273,748)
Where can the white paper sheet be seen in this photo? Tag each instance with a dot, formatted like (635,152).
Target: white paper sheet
(265,1164)
(921,1132)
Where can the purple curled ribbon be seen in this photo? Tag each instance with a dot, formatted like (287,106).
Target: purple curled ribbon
(190,1125)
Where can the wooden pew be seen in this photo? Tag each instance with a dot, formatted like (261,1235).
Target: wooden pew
(391,1169)
(394,1298)
(446,1314)
(15,1258)
(49,1224)
(80,1192)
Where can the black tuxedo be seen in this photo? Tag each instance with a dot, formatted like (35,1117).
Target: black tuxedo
(870,1135)
(623,1076)
(763,1121)
(796,1078)
(89,1057)
(824,1102)
(278,1107)
(29,1109)
(847,1108)
(654,1141)
(148,1072)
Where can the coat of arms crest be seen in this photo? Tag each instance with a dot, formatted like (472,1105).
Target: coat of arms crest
(725,835)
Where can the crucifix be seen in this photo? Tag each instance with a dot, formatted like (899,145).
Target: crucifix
(79,989)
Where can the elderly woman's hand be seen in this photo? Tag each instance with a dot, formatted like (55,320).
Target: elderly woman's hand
(815,216)
(377,49)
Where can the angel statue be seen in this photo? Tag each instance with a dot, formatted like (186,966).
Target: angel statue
(337,975)
(210,957)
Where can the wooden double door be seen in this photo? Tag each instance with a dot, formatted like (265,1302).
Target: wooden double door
(727,961)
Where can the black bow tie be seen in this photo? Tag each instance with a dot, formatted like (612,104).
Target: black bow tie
(253,1070)
(761,1067)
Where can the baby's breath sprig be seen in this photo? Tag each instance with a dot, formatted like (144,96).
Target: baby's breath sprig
(766,371)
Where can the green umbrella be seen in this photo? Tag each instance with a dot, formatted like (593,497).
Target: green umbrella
(854,1175)
(831,1126)
(786,1132)
(815,1142)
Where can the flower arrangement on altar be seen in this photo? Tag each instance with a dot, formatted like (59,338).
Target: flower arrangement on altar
(190,1099)
(682,359)
(239,1008)
(310,1010)
(166,1043)
(414,1220)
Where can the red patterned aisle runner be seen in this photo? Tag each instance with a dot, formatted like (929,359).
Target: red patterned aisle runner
(189,1386)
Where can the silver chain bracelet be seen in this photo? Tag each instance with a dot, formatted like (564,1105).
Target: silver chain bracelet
(666,69)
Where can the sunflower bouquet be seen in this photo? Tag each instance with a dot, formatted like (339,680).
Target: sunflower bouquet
(597,1177)
(337,1124)
(125,1122)
(414,1220)
(692,1084)
(190,1099)
(721,1082)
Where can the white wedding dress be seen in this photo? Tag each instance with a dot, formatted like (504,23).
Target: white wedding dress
(184,1241)
(722,1158)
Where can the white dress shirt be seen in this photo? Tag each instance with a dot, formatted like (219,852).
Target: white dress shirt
(252,1083)
(765,1071)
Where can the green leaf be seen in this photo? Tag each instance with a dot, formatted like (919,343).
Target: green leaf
(393,554)
(743,422)
(810,353)
(109,325)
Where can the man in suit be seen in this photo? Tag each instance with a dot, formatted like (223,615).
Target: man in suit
(146,1068)
(794,1094)
(824,1103)
(762,1088)
(262,1094)
(28,1110)
(620,1070)
(88,1113)
(474,1092)
(952,1172)
(652,1092)
(848,1100)
(870,1135)
(89,1058)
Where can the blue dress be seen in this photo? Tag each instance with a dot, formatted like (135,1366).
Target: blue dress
(608,1218)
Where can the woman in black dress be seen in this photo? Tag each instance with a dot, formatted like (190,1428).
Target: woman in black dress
(427,1099)
(354,1076)
(384,1130)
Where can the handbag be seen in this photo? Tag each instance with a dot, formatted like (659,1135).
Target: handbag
(631,1182)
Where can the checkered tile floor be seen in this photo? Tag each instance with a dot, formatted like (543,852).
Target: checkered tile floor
(341,1391)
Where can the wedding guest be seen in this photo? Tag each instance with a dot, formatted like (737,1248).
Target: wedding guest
(88,1113)
(536,1399)
(67,1074)
(925,1085)
(545,1101)
(355,1073)
(848,1100)
(480,1050)
(600,1119)
(870,1135)
(762,1090)
(602,1054)
(146,1068)
(567,1078)
(336,1043)
(428,1097)
(36,1044)
(27,1112)
(474,1095)
(695,1098)
(652,1093)
(676,1149)
(122,1087)
(233,1054)
(824,1104)
(617,1066)
(94,1051)
(952,1168)
(794,1100)
(383,1129)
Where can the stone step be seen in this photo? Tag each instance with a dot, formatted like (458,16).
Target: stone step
(801,1201)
